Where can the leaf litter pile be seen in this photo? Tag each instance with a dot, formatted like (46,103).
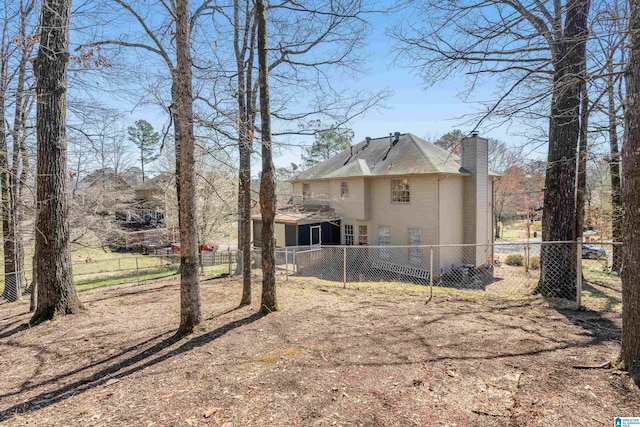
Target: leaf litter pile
(353,357)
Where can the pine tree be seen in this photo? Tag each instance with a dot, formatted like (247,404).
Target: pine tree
(147,140)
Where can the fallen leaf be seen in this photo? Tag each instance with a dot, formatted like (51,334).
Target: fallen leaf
(451,371)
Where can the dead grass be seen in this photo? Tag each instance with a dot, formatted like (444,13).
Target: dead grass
(372,355)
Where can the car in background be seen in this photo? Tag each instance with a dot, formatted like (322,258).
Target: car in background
(593,252)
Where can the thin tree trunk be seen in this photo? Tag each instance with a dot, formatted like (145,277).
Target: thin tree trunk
(581,181)
(630,352)
(557,269)
(12,291)
(34,285)
(268,179)
(245,137)
(190,312)
(56,290)
(614,168)
(19,122)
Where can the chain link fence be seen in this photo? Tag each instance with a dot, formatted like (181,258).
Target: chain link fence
(90,273)
(584,274)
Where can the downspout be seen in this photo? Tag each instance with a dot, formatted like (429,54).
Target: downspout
(493,220)
(439,211)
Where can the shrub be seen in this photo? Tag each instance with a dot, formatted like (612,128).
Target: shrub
(516,260)
(534,263)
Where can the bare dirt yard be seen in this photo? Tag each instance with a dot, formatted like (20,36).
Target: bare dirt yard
(373,355)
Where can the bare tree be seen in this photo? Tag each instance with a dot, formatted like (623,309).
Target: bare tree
(268,178)
(536,49)
(244,38)
(23,101)
(630,352)
(12,291)
(56,290)
(190,313)
(154,40)
(609,52)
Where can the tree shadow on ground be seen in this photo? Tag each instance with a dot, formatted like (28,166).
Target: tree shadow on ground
(595,324)
(601,290)
(137,362)
(21,327)
(129,292)
(4,328)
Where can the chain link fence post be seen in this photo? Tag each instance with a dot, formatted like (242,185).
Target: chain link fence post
(579,272)
(286,265)
(430,275)
(344,267)
(137,271)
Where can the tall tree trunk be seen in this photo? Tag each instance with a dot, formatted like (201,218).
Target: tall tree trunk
(581,181)
(630,352)
(33,303)
(268,179)
(12,291)
(56,290)
(19,122)
(245,137)
(557,270)
(190,312)
(614,168)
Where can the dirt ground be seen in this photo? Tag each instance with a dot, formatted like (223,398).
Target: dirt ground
(369,356)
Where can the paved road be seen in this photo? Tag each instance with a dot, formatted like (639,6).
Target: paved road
(517,247)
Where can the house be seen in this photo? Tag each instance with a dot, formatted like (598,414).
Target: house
(301,225)
(396,190)
(98,182)
(146,210)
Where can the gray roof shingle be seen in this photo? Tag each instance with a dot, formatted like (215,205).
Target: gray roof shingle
(409,155)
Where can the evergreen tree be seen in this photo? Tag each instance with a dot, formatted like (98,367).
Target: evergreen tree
(327,143)
(450,140)
(147,140)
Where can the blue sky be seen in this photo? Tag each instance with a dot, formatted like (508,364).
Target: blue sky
(413,107)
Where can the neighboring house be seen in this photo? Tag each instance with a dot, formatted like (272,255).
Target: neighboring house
(147,209)
(396,190)
(99,182)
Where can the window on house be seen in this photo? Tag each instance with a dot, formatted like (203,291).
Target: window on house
(400,191)
(348,234)
(306,191)
(415,239)
(363,235)
(344,189)
(384,239)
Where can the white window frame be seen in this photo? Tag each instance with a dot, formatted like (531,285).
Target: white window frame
(344,188)
(400,193)
(384,239)
(306,191)
(349,238)
(319,235)
(415,254)
(361,235)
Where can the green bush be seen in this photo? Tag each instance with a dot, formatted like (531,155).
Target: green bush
(516,260)
(534,262)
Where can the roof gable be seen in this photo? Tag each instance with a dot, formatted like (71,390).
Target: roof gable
(409,155)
